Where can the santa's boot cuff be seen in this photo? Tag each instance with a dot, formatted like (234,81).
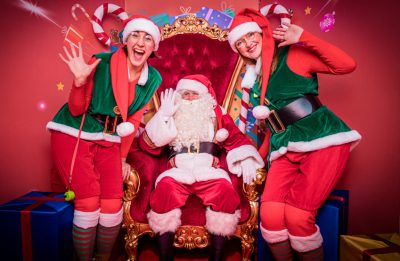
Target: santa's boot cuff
(307,243)
(221,223)
(111,220)
(274,236)
(165,222)
(85,219)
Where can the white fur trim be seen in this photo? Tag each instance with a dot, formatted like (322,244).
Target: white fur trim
(111,220)
(86,220)
(191,85)
(261,112)
(321,143)
(145,25)
(221,135)
(240,30)
(125,129)
(223,110)
(165,222)
(250,76)
(308,243)
(160,132)
(235,156)
(192,167)
(84,135)
(144,75)
(221,223)
(274,236)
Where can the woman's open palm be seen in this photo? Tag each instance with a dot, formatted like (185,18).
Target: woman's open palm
(77,65)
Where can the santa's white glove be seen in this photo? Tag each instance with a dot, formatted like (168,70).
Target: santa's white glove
(168,106)
(248,170)
(126,169)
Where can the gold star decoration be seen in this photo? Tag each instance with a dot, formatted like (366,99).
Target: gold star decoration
(60,86)
(307,10)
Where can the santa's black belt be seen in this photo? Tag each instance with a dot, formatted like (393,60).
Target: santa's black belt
(292,112)
(109,122)
(204,147)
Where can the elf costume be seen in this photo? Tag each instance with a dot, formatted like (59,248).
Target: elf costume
(111,109)
(309,145)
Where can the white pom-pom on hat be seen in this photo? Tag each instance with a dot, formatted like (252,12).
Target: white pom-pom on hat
(125,129)
(221,135)
(261,112)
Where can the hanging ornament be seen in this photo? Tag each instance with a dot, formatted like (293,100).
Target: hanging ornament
(98,16)
(78,6)
(327,22)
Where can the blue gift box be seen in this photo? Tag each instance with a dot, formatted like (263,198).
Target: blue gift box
(36,226)
(212,16)
(160,19)
(332,220)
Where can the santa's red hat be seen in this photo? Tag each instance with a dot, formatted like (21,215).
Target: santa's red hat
(249,20)
(201,84)
(141,23)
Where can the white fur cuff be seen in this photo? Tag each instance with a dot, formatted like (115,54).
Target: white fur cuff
(86,220)
(111,220)
(165,222)
(308,243)
(274,236)
(160,132)
(220,223)
(125,129)
(234,157)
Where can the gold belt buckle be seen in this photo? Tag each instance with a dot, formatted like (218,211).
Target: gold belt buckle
(107,128)
(197,149)
(275,122)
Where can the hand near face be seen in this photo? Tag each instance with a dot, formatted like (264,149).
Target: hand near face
(77,65)
(168,105)
(287,36)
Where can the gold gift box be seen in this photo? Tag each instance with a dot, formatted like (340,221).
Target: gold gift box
(377,247)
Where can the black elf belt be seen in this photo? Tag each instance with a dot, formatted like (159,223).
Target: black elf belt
(204,147)
(292,112)
(110,123)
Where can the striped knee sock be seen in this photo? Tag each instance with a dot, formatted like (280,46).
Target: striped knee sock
(84,242)
(281,250)
(106,237)
(315,255)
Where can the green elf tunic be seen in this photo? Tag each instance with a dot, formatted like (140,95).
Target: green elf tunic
(104,101)
(318,130)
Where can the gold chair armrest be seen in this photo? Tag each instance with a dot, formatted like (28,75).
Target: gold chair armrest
(132,185)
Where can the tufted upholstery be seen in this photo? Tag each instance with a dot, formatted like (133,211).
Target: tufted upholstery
(186,54)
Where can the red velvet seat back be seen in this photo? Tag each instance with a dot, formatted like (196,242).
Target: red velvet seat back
(186,54)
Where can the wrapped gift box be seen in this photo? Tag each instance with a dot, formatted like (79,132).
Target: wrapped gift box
(212,16)
(332,221)
(36,226)
(160,19)
(379,247)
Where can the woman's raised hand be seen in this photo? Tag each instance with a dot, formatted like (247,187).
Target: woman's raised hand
(290,34)
(77,65)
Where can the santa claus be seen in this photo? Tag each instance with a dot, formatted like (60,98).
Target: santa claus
(196,130)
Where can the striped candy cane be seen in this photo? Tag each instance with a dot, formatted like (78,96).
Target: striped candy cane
(247,83)
(244,109)
(98,17)
(278,10)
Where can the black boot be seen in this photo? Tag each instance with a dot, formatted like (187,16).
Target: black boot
(166,246)
(217,245)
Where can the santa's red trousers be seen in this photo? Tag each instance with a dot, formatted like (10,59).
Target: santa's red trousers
(170,194)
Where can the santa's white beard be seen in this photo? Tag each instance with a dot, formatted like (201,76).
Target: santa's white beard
(194,122)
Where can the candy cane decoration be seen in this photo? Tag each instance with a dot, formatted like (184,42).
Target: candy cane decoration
(78,6)
(278,10)
(98,17)
(244,109)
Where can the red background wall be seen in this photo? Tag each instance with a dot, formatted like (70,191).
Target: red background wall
(367,99)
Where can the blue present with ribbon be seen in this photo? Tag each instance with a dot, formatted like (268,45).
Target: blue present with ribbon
(36,226)
(213,16)
(332,219)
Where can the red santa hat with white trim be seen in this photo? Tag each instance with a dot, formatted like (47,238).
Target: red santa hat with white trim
(201,84)
(247,21)
(141,23)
